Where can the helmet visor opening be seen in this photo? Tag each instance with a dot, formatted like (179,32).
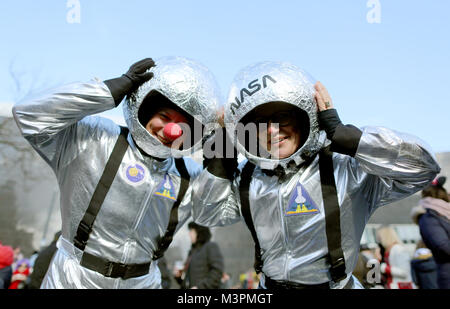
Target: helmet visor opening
(155,102)
(274,130)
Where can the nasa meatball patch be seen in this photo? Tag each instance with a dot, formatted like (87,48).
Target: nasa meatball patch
(135,174)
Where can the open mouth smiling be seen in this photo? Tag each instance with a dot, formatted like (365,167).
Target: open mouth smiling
(279,140)
(164,141)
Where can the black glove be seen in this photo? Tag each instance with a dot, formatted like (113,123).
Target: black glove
(221,165)
(344,138)
(137,75)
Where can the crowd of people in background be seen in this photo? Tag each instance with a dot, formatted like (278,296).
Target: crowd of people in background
(429,265)
(387,264)
(14,268)
(433,218)
(17,272)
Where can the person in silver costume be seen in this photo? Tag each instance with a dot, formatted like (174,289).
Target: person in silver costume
(121,247)
(297,122)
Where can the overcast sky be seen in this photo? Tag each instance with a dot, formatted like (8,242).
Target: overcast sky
(384,62)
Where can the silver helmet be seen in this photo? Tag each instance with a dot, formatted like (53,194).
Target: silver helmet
(187,84)
(267,82)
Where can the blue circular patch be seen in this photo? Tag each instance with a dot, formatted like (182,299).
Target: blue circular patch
(135,173)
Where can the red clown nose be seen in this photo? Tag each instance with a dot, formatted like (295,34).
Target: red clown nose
(172,131)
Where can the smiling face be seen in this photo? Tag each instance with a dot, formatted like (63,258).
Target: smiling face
(279,129)
(280,141)
(193,235)
(162,117)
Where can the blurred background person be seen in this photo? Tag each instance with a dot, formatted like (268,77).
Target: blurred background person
(166,276)
(42,263)
(20,274)
(435,228)
(423,268)
(6,261)
(397,260)
(225,282)
(33,258)
(18,256)
(204,266)
(423,265)
(249,280)
(368,259)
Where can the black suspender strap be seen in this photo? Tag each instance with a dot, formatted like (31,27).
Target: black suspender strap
(92,262)
(244,187)
(114,269)
(85,227)
(332,215)
(165,241)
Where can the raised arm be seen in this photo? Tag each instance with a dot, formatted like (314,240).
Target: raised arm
(49,119)
(389,165)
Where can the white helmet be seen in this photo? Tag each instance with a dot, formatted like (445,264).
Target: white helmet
(266,82)
(186,83)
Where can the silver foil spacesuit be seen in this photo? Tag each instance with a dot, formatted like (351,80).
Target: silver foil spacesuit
(135,213)
(287,207)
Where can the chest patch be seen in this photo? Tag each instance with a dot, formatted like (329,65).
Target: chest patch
(301,203)
(166,188)
(135,174)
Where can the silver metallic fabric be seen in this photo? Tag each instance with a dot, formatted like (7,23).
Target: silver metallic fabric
(135,213)
(289,214)
(266,82)
(189,85)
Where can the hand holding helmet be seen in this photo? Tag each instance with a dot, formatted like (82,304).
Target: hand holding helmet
(136,75)
(322,97)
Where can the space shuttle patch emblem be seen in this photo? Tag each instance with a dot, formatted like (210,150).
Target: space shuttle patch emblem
(166,188)
(301,203)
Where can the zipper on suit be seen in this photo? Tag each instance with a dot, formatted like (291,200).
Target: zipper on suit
(153,186)
(285,233)
(144,206)
(126,250)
